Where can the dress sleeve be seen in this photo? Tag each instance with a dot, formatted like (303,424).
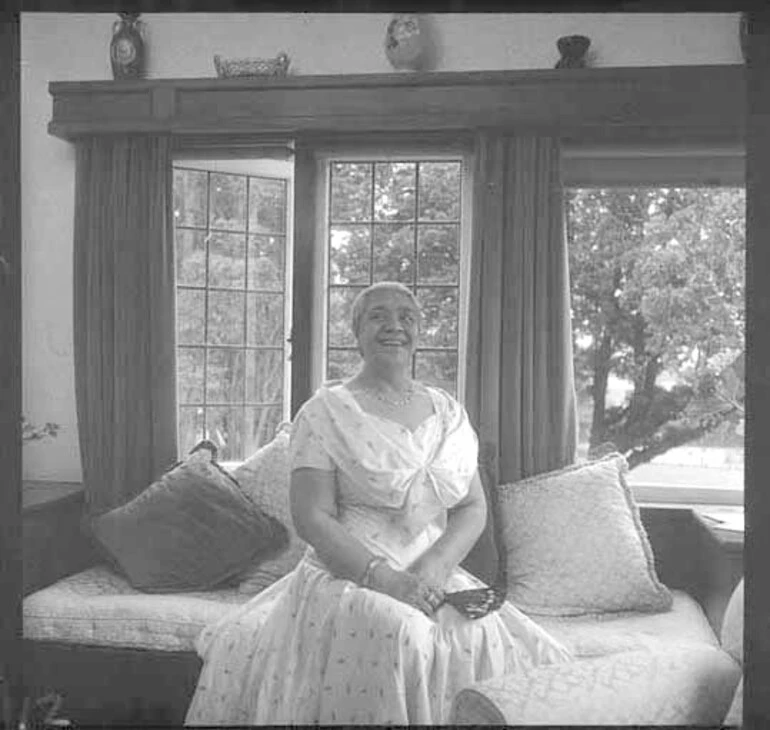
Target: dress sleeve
(305,449)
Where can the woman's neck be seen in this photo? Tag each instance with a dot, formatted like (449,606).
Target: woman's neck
(397,378)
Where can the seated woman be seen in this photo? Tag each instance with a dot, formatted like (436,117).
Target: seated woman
(385,490)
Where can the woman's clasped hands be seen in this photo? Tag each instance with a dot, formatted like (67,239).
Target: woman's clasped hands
(408,587)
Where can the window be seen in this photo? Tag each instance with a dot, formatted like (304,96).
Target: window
(233,296)
(402,220)
(658,306)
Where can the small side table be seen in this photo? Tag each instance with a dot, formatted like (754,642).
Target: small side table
(721,551)
(52,543)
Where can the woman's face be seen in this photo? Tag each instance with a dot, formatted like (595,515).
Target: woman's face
(389,327)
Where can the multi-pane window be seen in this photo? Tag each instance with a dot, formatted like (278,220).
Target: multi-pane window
(658,305)
(399,221)
(230,234)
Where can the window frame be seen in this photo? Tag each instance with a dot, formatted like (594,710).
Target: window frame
(247,164)
(386,150)
(660,166)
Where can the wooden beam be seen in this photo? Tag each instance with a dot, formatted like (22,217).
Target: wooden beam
(622,105)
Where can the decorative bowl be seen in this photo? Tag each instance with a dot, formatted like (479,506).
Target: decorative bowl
(228,68)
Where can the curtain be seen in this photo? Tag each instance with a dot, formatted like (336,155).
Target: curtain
(124,315)
(520,390)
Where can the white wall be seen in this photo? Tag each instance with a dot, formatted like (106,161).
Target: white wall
(71,46)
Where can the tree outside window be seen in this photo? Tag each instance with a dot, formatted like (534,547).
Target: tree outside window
(658,314)
(399,221)
(230,235)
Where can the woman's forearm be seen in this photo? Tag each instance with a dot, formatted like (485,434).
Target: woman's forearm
(344,555)
(314,513)
(464,526)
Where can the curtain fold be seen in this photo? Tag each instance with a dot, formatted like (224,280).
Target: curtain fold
(124,315)
(520,391)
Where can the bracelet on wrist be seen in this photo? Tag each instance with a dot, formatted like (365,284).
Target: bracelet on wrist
(366,578)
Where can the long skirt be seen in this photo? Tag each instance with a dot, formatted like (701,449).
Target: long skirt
(315,649)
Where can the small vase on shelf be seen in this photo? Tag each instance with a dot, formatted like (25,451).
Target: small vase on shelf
(406,42)
(127,48)
(573,50)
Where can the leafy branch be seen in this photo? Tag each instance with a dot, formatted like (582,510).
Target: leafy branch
(30,432)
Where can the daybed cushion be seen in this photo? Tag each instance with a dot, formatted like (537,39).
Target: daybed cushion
(575,543)
(193,529)
(676,684)
(97,607)
(591,635)
(264,478)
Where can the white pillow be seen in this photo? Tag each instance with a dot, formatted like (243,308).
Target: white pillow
(575,543)
(731,638)
(731,635)
(264,477)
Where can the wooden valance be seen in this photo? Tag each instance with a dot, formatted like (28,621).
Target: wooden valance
(664,104)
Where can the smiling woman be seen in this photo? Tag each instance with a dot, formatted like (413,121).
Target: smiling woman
(386,492)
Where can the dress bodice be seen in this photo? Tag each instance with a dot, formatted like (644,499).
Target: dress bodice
(394,486)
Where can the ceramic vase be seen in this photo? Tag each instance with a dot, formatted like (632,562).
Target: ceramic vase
(405,42)
(127,48)
(573,50)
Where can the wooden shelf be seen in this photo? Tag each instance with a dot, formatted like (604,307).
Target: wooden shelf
(619,105)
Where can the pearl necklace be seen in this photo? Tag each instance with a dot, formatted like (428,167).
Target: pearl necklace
(393,403)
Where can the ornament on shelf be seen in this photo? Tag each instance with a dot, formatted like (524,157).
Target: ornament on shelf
(573,50)
(127,48)
(406,41)
(251,67)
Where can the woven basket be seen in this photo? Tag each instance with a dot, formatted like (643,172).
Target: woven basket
(243,67)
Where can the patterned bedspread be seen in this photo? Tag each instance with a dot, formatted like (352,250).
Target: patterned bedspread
(664,668)
(99,608)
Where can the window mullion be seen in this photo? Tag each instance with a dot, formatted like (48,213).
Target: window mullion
(373,190)
(414,246)
(207,241)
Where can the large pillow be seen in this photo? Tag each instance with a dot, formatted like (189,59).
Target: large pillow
(575,543)
(193,529)
(264,477)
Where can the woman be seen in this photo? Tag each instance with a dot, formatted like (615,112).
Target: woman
(385,490)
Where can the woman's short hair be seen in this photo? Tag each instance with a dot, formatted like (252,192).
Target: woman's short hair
(360,302)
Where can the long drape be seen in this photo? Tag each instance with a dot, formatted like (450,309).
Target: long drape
(124,315)
(520,390)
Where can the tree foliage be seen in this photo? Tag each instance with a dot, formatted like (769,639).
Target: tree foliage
(230,256)
(658,301)
(397,221)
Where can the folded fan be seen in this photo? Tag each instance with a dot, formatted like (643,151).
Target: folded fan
(476,602)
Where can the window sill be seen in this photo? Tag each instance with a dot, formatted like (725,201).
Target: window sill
(687,496)
(39,495)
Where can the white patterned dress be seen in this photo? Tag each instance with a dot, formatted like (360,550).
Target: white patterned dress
(313,648)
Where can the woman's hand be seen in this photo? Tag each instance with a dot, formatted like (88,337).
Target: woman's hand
(430,570)
(408,588)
